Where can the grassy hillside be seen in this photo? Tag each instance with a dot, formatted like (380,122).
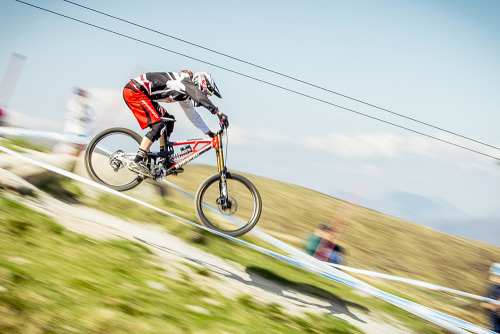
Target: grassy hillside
(373,240)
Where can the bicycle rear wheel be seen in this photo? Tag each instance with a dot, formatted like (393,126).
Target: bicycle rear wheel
(235,219)
(107,155)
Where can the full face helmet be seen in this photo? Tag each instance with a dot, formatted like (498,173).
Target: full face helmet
(205,82)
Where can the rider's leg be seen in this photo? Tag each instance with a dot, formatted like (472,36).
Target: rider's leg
(153,134)
(143,149)
(139,166)
(169,127)
(162,143)
(165,137)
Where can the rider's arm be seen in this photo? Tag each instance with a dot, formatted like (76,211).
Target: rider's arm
(193,116)
(198,96)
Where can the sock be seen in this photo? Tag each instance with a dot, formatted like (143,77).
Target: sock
(141,154)
(162,148)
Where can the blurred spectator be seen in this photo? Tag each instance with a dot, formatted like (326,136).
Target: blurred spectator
(312,240)
(494,293)
(319,244)
(2,115)
(79,115)
(328,251)
(78,118)
(337,255)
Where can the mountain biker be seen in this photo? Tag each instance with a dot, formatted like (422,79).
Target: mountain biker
(143,93)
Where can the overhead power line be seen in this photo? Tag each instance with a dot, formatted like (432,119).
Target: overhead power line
(281,74)
(257,79)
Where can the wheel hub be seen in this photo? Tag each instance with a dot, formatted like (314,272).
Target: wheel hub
(227,206)
(116,160)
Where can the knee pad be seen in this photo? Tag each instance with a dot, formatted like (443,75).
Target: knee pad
(169,125)
(156,130)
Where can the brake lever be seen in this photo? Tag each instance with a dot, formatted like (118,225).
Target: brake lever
(222,129)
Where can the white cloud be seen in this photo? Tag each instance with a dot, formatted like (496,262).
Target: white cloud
(371,170)
(383,145)
(458,155)
(357,146)
(239,136)
(269,136)
(422,146)
(493,168)
(243,136)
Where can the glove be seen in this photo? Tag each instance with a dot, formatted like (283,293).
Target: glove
(210,134)
(223,119)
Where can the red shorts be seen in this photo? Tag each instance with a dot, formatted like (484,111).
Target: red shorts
(146,112)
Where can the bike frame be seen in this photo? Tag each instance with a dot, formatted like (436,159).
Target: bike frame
(198,146)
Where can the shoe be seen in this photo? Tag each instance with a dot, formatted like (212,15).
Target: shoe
(140,168)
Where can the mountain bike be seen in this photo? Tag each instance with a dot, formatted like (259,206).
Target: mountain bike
(226,202)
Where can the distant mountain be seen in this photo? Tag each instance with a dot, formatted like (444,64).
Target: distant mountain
(485,230)
(441,216)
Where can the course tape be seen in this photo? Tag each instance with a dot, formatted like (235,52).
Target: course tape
(311,264)
(305,257)
(20,132)
(422,284)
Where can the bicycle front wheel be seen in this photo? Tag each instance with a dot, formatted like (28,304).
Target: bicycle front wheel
(107,157)
(233,214)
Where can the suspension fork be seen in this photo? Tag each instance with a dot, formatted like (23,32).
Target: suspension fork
(221,168)
(220,155)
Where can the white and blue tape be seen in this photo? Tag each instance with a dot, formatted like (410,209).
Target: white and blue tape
(21,132)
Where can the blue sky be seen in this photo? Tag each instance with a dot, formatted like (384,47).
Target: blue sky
(435,61)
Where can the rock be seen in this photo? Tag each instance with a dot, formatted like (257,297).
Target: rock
(35,174)
(12,182)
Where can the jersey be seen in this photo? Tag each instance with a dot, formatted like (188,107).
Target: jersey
(172,87)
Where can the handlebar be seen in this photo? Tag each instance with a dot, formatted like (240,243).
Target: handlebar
(222,128)
(168,119)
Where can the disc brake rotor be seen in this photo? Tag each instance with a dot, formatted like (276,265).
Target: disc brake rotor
(116,160)
(228,208)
